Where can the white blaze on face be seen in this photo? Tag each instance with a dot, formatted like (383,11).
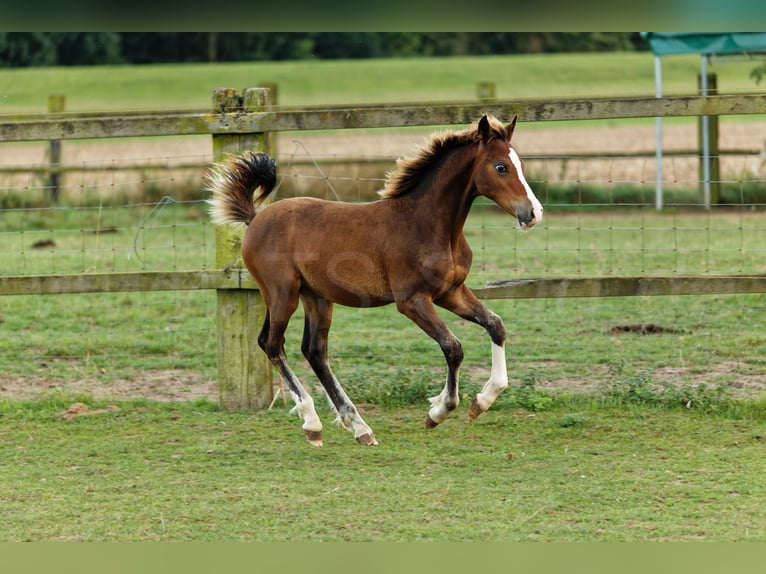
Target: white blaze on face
(537,208)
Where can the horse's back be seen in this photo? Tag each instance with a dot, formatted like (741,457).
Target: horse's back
(304,221)
(282,228)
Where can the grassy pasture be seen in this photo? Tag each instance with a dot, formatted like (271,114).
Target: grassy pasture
(184,471)
(360,81)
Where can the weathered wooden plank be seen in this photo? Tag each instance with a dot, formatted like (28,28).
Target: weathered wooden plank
(56,104)
(43,170)
(110,125)
(244,372)
(239,279)
(622,286)
(126,281)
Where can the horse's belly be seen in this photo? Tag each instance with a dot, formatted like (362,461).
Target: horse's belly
(348,278)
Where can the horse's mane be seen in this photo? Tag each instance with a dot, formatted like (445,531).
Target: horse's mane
(409,171)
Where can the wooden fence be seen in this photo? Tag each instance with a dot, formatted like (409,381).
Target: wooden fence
(243,120)
(236,120)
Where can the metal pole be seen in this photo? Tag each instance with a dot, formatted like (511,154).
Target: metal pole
(658,130)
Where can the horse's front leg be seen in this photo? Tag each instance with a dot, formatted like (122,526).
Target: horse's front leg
(496,384)
(464,303)
(421,311)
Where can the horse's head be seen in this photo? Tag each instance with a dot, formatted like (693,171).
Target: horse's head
(499,173)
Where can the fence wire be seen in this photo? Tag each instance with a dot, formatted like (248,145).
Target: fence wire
(600,220)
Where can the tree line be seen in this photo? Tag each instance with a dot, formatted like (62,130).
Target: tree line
(21,49)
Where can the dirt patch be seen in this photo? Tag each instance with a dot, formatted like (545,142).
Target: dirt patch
(739,379)
(643,329)
(81,409)
(155,385)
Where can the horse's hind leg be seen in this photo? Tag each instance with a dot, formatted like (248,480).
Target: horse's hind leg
(314,347)
(272,341)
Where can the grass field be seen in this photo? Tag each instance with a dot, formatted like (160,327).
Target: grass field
(358,81)
(184,471)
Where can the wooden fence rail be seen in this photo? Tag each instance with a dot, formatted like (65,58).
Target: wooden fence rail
(45,170)
(240,121)
(239,279)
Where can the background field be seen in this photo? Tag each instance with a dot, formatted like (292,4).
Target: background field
(364,81)
(610,430)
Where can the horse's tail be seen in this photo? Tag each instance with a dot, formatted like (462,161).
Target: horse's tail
(233,184)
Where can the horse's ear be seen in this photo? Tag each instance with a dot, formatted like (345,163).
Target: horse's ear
(510,127)
(484,129)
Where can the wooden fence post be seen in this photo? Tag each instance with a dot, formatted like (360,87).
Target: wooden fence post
(56,105)
(485,92)
(711,125)
(244,372)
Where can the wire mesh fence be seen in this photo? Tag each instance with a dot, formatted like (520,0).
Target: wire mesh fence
(600,221)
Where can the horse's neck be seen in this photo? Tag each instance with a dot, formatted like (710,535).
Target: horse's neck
(446,196)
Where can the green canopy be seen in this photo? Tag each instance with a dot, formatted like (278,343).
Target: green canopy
(706,44)
(668,43)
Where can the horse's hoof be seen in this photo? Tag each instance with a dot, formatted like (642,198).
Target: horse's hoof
(367,439)
(431,423)
(475,410)
(314,437)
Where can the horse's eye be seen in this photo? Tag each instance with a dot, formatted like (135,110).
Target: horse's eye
(501,168)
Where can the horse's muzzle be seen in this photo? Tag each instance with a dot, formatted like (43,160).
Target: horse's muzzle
(531,217)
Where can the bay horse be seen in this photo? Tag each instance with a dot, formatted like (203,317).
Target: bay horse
(406,248)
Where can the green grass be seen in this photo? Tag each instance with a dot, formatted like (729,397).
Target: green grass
(140,471)
(106,238)
(362,81)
